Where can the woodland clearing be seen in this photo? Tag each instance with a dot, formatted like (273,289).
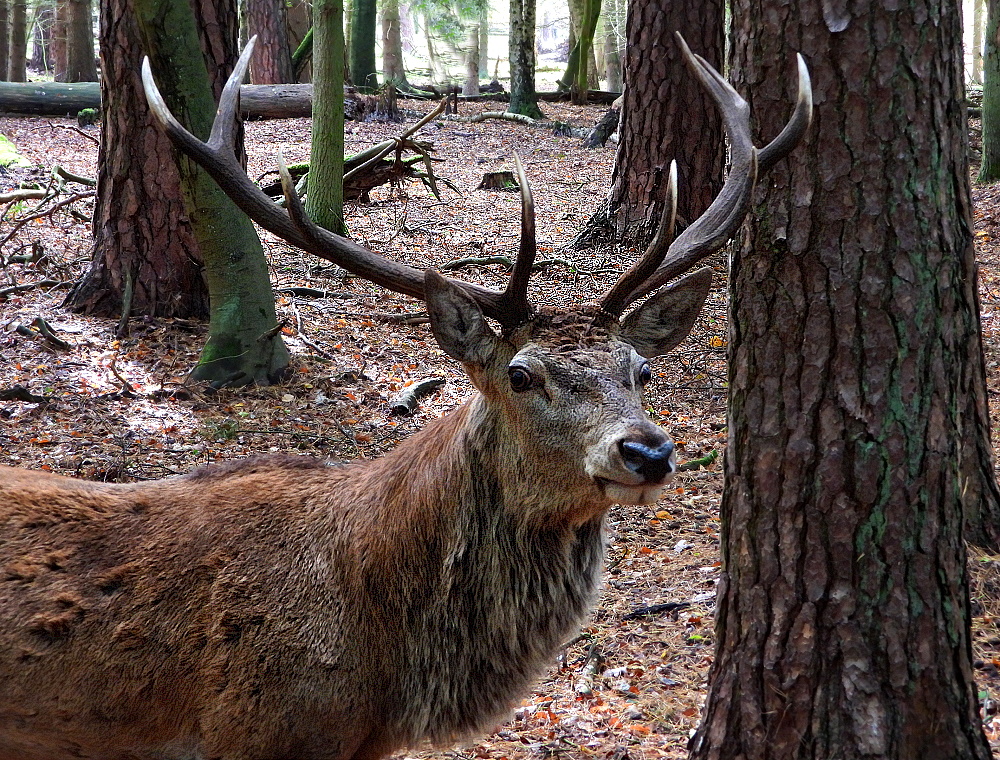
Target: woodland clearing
(632,684)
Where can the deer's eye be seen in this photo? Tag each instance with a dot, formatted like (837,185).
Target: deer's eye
(520,379)
(645,373)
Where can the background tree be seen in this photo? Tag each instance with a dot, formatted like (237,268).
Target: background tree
(855,401)
(521,45)
(244,343)
(325,197)
(989,169)
(143,242)
(272,55)
(41,56)
(4,37)
(17,50)
(362,45)
(80,65)
(666,115)
(612,19)
(392,46)
(581,68)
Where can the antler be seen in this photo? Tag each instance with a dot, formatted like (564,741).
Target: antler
(708,233)
(218,158)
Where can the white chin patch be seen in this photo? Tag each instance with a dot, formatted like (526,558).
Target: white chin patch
(622,494)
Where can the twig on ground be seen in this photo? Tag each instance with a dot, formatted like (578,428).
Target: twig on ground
(407,401)
(15,289)
(20,393)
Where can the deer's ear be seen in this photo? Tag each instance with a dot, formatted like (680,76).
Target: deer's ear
(665,319)
(457,322)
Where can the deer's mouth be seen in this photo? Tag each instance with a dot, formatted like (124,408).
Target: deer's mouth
(631,493)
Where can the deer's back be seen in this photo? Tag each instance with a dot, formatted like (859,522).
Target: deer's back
(137,614)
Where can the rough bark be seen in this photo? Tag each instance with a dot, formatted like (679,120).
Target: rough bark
(141,228)
(989,169)
(272,56)
(80,63)
(244,343)
(523,99)
(855,391)
(666,114)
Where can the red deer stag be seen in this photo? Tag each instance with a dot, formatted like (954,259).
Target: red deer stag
(286,608)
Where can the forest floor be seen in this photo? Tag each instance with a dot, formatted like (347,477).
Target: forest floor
(633,683)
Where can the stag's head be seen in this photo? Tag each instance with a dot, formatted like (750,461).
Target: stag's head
(566,380)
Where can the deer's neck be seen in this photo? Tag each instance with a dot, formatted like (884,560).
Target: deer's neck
(495,588)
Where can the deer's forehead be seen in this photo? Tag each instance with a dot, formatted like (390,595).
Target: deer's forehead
(566,330)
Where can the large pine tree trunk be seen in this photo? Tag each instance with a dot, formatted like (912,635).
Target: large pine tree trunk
(142,234)
(666,114)
(856,381)
(272,56)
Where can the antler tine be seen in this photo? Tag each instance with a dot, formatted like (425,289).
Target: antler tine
(224,127)
(720,221)
(616,299)
(515,296)
(797,125)
(218,158)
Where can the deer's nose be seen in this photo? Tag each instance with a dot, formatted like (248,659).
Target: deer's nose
(653,463)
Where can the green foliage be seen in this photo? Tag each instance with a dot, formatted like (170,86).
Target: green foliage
(446,17)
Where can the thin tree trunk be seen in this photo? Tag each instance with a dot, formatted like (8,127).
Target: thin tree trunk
(439,74)
(523,98)
(362,50)
(471,53)
(484,40)
(612,45)
(989,169)
(17,51)
(4,37)
(41,49)
(59,32)
(325,196)
(978,24)
(80,63)
(392,45)
(855,378)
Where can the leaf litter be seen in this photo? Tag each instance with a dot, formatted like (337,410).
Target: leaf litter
(632,684)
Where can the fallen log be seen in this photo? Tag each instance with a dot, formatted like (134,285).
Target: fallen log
(257,101)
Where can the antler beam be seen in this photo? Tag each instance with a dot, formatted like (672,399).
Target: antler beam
(218,158)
